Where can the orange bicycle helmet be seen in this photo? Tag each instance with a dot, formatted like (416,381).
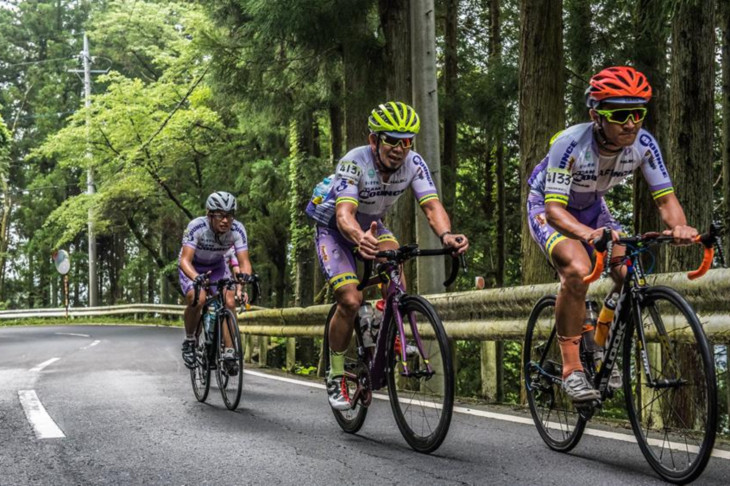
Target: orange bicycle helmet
(618,84)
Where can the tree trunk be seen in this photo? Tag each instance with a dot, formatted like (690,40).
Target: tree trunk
(725,27)
(336,119)
(541,107)
(578,43)
(692,119)
(395,19)
(363,80)
(651,31)
(450,79)
(301,232)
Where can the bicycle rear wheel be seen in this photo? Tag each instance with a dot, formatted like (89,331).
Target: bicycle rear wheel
(200,374)
(422,397)
(349,420)
(556,419)
(229,371)
(674,417)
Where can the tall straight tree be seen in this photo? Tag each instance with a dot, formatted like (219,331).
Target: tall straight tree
(395,21)
(495,60)
(692,118)
(725,28)
(541,107)
(651,34)
(578,43)
(451,73)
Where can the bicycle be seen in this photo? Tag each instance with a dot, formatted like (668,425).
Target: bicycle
(211,343)
(668,367)
(420,386)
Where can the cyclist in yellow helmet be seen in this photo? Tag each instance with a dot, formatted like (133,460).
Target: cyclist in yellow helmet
(367,182)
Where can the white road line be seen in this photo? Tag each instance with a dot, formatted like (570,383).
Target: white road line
(40,367)
(72,334)
(505,417)
(91,345)
(42,423)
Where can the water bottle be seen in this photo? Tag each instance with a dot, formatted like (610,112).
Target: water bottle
(321,190)
(377,319)
(209,322)
(365,315)
(611,301)
(589,325)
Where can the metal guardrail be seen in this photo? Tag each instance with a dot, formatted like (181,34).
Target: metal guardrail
(160,309)
(501,314)
(483,315)
(153,309)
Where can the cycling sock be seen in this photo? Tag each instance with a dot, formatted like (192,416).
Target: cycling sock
(570,349)
(605,318)
(337,363)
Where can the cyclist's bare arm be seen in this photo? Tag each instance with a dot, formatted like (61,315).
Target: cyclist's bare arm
(244,263)
(367,241)
(440,223)
(186,262)
(560,218)
(673,216)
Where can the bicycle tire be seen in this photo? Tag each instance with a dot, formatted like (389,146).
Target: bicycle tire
(556,419)
(200,373)
(349,420)
(674,423)
(229,374)
(422,405)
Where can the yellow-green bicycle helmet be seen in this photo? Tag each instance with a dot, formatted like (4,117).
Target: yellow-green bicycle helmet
(394,118)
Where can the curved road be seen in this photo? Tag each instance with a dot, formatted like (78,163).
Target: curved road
(120,410)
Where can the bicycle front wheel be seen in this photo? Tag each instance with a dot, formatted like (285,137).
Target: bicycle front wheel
(229,369)
(200,374)
(356,375)
(673,408)
(422,388)
(555,417)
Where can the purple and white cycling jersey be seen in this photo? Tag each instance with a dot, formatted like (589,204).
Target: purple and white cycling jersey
(357,181)
(211,250)
(574,174)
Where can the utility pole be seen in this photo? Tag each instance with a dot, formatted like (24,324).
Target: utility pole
(431,271)
(90,189)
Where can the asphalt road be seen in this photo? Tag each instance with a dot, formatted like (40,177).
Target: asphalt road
(124,413)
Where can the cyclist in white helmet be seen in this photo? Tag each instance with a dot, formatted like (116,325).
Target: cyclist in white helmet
(205,243)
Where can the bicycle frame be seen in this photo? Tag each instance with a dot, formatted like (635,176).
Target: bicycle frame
(378,359)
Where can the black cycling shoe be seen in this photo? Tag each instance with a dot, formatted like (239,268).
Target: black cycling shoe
(188,353)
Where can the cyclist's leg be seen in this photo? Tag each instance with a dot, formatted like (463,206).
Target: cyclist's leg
(618,273)
(571,261)
(338,265)
(191,314)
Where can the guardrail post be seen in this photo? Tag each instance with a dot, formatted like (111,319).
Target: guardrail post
(263,350)
(489,367)
(248,348)
(291,354)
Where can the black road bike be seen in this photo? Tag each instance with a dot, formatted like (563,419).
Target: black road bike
(211,343)
(668,367)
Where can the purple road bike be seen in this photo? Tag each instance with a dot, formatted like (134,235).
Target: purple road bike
(411,355)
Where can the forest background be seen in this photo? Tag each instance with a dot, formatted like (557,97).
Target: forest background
(261,98)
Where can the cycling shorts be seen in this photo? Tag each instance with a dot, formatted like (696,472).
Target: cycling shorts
(337,254)
(594,216)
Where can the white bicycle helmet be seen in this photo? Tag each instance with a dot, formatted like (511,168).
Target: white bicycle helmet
(221,201)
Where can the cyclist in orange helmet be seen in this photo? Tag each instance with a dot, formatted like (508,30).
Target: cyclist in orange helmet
(566,209)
